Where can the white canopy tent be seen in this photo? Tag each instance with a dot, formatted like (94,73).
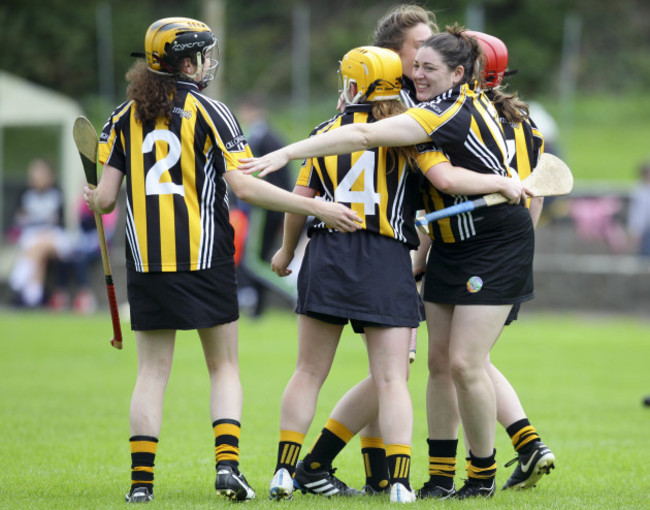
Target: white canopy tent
(23,104)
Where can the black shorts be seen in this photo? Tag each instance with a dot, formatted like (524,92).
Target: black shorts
(183,300)
(361,276)
(357,326)
(493,268)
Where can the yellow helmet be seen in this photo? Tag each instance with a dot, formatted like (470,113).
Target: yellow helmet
(169,40)
(376,71)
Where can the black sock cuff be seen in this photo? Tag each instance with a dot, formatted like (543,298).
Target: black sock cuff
(517,426)
(143,438)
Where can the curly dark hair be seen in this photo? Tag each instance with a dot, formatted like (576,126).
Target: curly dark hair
(153,93)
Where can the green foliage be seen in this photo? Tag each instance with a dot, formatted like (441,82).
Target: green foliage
(65,399)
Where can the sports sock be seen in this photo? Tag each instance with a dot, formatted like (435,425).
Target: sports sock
(523,435)
(374,462)
(143,454)
(482,469)
(331,440)
(442,462)
(398,457)
(226,442)
(289,450)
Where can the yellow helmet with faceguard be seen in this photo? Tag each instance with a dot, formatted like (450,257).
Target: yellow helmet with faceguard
(169,40)
(377,73)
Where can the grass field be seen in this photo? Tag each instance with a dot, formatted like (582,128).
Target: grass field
(65,394)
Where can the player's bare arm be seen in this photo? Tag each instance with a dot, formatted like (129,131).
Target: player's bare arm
(397,131)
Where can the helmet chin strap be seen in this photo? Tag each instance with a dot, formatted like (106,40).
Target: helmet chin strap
(199,68)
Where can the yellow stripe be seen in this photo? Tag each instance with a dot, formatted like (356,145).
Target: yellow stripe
(519,438)
(145,469)
(226,429)
(481,473)
(366,465)
(189,184)
(339,430)
(398,449)
(150,482)
(398,463)
(291,436)
(372,442)
(143,447)
(138,192)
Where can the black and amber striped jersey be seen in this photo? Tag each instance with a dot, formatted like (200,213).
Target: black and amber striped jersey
(377,183)
(525,145)
(176,197)
(464,126)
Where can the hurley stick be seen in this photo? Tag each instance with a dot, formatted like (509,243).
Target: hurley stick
(551,177)
(85,138)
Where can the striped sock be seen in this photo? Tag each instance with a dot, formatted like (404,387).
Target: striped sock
(442,462)
(143,454)
(523,435)
(327,446)
(226,442)
(374,462)
(482,469)
(289,450)
(398,457)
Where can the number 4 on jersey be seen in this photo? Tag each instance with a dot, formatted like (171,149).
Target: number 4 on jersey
(368,197)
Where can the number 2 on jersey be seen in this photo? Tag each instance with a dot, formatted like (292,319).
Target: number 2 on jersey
(368,197)
(152,182)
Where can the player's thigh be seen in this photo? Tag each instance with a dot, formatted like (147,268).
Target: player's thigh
(474,330)
(317,343)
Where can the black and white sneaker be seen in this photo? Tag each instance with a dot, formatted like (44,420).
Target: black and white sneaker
(323,482)
(530,467)
(432,491)
(139,495)
(474,488)
(232,484)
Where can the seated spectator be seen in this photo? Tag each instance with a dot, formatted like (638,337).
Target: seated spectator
(37,229)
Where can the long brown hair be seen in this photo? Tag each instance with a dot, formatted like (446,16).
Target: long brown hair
(510,106)
(153,93)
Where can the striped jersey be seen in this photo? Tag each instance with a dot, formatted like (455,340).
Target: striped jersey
(464,126)
(176,197)
(377,184)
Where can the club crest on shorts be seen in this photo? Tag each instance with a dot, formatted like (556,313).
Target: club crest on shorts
(474,284)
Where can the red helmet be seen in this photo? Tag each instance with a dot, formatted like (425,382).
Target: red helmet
(496,57)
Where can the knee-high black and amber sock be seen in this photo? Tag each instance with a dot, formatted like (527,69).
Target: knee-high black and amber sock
(442,462)
(143,454)
(226,442)
(482,469)
(289,450)
(331,440)
(374,463)
(523,435)
(398,457)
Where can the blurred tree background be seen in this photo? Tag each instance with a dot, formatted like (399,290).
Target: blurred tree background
(576,57)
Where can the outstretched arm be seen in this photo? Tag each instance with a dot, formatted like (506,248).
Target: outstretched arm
(263,194)
(401,130)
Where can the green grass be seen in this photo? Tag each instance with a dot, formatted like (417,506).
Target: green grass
(65,395)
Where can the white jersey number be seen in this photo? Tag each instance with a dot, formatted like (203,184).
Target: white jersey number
(152,184)
(368,197)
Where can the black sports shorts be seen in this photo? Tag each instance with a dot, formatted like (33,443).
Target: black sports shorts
(492,268)
(184,299)
(359,276)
